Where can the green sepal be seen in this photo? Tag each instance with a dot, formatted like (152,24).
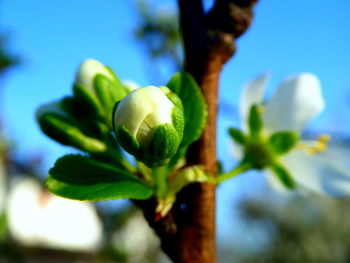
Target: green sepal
(178,122)
(283,141)
(65,131)
(82,178)
(283,175)
(195,110)
(164,144)
(258,155)
(128,142)
(255,122)
(237,135)
(88,101)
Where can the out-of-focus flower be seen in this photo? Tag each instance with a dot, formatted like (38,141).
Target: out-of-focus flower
(135,238)
(37,218)
(271,132)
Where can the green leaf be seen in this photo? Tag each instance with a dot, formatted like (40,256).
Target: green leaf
(82,118)
(237,135)
(88,101)
(281,142)
(195,109)
(283,175)
(255,122)
(82,178)
(71,107)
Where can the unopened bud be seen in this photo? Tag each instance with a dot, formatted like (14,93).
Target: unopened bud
(149,125)
(98,88)
(60,126)
(88,70)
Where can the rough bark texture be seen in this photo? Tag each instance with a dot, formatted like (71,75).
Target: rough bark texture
(188,232)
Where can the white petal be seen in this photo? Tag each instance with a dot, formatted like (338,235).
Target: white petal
(236,150)
(253,93)
(143,110)
(276,184)
(297,101)
(37,218)
(318,173)
(88,69)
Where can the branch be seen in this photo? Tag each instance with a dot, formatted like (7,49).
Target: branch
(188,232)
(231,16)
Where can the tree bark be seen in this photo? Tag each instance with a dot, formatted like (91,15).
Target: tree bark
(188,233)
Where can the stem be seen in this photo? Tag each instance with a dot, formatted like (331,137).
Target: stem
(187,232)
(160,176)
(241,168)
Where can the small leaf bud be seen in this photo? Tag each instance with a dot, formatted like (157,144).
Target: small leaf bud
(60,126)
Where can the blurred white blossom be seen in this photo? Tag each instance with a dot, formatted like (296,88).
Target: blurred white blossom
(38,218)
(296,102)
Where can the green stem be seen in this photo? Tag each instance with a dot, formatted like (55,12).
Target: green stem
(160,175)
(119,159)
(241,168)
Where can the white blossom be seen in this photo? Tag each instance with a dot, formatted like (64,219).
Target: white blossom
(296,102)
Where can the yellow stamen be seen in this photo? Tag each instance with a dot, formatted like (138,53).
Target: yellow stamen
(314,146)
(261,109)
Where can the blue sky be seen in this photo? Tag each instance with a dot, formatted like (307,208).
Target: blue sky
(53,37)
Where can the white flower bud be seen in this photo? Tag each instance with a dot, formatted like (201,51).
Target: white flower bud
(149,125)
(97,89)
(88,69)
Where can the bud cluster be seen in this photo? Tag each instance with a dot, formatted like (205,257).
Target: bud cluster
(104,116)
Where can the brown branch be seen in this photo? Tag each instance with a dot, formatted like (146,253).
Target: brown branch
(188,232)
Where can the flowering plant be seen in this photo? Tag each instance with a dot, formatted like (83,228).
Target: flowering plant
(104,118)
(271,137)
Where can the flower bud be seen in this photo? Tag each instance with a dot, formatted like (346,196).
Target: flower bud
(88,70)
(149,124)
(60,126)
(98,88)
